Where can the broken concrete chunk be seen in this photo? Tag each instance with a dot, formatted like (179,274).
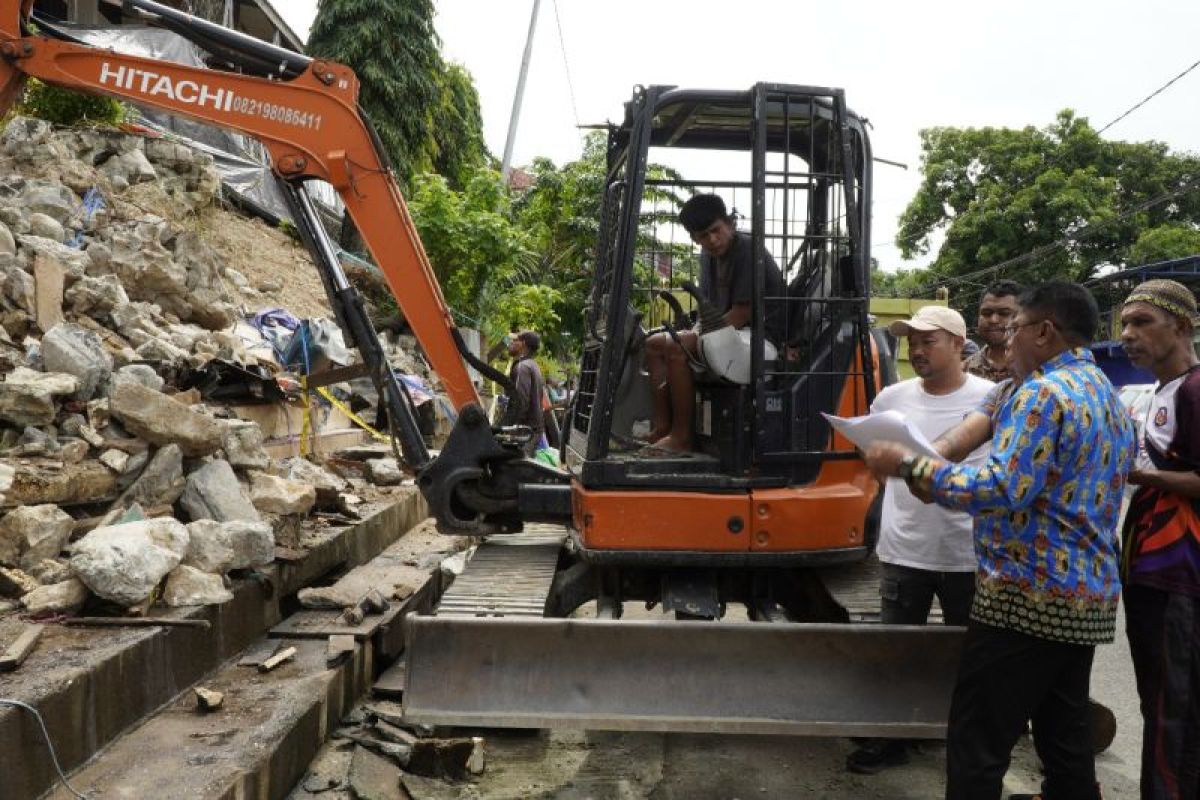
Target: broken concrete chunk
(51,199)
(137,373)
(384,472)
(124,563)
(208,699)
(75,350)
(50,571)
(328,485)
(65,597)
(115,460)
(160,483)
(46,227)
(213,492)
(243,445)
(96,295)
(16,583)
(373,777)
(73,451)
(30,534)
(188,586)
(27,396)
(221,546)
(49,276)
(281,496)
(161,420)
(287,654)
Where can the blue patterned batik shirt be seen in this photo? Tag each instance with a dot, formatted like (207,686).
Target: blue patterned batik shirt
(1046,504)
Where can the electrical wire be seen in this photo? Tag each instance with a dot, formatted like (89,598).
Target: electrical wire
(49,744)
(562,44)
(1148,98)
(1066,240)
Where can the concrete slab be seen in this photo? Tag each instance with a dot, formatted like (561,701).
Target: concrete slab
(259,744)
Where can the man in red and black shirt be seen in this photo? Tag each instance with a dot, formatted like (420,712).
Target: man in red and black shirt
(1162,540)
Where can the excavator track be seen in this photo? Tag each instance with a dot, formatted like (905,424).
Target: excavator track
(507,576)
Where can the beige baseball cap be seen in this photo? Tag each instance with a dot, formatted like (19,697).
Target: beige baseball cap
(931,318)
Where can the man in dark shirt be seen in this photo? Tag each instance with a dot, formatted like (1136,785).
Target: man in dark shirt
(525,403)
(727,282)
(996,310)
(1162,539)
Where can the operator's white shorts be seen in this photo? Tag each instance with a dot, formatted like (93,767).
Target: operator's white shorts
(726,353)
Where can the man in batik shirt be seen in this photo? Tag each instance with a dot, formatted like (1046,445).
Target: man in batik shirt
(1046,504)
(1162,540)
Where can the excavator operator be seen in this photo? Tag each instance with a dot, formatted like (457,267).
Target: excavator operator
(726,281)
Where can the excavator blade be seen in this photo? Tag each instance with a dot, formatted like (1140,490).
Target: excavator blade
(733,677)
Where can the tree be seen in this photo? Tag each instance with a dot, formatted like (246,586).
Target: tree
(393,47)
(1000,193)
(1166,242)
(458,128)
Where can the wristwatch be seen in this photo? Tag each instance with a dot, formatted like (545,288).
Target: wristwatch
(905,470)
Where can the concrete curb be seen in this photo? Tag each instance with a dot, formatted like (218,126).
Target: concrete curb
(91,685)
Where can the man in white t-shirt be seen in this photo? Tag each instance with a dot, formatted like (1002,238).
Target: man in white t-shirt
(925,550)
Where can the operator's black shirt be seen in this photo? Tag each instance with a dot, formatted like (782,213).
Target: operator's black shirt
(729,280)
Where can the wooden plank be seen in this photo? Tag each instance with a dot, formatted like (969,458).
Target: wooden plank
(338,375)
(19,650)
(258,653)
(277,659)
(49,277)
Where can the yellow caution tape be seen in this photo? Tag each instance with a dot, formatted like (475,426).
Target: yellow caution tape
(355,418)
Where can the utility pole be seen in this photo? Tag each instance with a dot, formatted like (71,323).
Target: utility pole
(506,163)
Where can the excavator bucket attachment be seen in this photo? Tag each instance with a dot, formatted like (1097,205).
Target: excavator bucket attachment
(733,677)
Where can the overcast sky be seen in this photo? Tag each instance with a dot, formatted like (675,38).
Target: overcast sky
(905,66)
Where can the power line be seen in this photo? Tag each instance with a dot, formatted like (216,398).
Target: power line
(1046,249)
(1148,98)
(562,44)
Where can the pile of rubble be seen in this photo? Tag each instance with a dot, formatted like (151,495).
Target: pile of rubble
(114,481)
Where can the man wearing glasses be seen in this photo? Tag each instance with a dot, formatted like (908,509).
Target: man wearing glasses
(1046,504)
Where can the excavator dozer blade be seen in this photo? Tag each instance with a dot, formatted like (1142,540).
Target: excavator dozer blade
(731,677)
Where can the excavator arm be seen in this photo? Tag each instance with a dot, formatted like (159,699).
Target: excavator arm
(305,112)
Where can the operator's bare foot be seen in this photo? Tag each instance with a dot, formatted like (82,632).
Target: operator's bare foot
(653,436)
(674,444)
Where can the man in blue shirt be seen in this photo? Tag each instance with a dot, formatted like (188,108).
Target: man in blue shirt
(1046,504)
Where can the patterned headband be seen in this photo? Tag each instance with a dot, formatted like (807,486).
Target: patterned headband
(1170,296)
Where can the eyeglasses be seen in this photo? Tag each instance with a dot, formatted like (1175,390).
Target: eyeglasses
(1011,330)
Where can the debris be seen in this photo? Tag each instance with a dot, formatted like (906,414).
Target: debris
(30,534)
(19,650)
(50,570)
(115,460)
(49,276)
(353,616)
(161,420)
(280,496)
(160,483)
(75,350)
(374,778)
(394,734)
(208,699)
(274,661)
(221,546)
(213,492)
(38,483)
(259,653)
(64,597)
(16,583)
(384,472)
(243,445)
(327,485)
(26,396)
(339,648)
(188,586)
(137,373)
(136,622)
(475,764)
(124,563)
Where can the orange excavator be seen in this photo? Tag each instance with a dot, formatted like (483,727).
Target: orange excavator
(742,551)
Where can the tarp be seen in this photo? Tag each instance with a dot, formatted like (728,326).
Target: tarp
(242,161)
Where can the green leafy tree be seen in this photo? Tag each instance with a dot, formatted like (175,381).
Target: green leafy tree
(459,149)
(393,48)
(1166,242)
(999,193)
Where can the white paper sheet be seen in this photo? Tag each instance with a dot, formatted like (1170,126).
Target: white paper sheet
(886,426)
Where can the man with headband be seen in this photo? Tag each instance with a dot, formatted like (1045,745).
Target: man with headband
(1161,553)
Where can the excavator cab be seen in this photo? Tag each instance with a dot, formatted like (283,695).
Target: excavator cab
(793,164)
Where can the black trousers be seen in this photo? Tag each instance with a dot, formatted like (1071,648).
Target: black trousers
(906,595)
(1164,634)
(1006,678)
